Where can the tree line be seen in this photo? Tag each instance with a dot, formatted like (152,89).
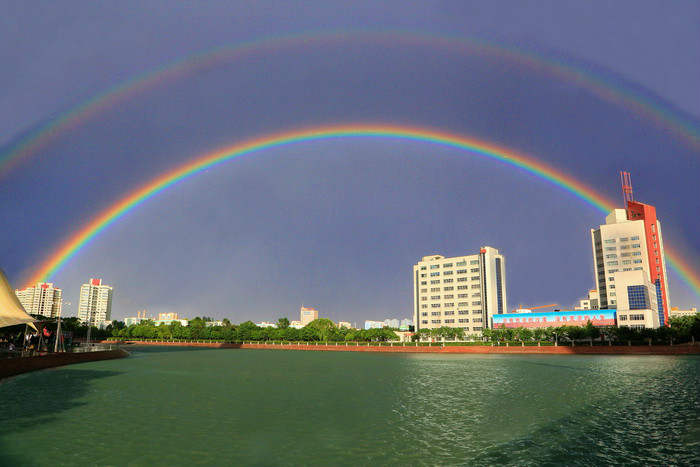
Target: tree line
(322,329)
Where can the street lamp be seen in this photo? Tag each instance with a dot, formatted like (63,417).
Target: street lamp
(556,339)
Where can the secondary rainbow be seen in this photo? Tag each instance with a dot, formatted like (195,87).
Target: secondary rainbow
(641,105)
(478,147)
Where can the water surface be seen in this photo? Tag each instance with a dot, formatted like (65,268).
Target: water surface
(189,407)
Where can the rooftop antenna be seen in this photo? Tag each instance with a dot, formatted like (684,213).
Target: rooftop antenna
(626,181)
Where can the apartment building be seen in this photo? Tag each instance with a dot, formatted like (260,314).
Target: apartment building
(462,291)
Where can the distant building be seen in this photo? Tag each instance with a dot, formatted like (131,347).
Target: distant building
(266,324)
(307,315)
(140,317)
(629,241)
(296,324)
(210,324)
(406,322)
(675,312)
(41,299)
(344,324)
(589,303)
(460,292)
(392,323)
(637,303)
(95,303)
(374,324)
(170,315)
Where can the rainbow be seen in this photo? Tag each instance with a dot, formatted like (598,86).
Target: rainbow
(481,148)
(687,131)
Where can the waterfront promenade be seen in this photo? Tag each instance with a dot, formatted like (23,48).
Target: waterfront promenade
(684,349)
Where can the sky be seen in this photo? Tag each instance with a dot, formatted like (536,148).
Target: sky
(588,88)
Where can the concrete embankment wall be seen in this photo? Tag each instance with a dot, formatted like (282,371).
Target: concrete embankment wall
(466,349)
(19,365)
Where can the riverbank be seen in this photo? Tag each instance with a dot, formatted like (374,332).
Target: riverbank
(450,349)
(19,365)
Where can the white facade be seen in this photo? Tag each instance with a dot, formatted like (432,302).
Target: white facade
(622,246)
(461,292)
(95,303)
(42,299)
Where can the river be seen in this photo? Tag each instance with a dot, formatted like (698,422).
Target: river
(224,407)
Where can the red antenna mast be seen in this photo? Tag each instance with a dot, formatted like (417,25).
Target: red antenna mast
(626,180)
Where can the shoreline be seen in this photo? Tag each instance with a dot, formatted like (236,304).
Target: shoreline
(449,349)
(19,365)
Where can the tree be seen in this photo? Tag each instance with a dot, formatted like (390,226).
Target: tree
(283,323)
(322,328)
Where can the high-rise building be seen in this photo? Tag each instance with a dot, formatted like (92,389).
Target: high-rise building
(41,299)
(460,292)
(629,241)
(308,315)
(95,304)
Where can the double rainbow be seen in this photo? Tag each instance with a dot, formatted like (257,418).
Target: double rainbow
(671,122)
(478,147)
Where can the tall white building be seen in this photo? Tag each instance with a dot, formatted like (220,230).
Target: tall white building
(630,241)
(95,304)
(460,292)
(41,299)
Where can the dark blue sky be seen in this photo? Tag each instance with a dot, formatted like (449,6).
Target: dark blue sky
(339,224)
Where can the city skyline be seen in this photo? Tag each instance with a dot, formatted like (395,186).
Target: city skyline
(339,222)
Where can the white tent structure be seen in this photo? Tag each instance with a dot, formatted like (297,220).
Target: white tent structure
(11,310)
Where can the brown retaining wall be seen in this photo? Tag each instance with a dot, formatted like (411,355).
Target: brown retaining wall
(465,349)
(19,365)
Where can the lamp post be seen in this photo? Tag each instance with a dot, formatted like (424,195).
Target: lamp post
(87,343)
(556,339)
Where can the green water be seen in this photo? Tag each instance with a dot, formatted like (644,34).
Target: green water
(177,407)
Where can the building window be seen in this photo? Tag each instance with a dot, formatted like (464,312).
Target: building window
(447,273)
(435,297)
(610,248)
(477,320)
(637,245)
(461,263)
(449,312)
(462,287)
(448,297)
(422,299)
(434,266)
(474,261)
(434,305)
(448,281)
(477,328)
(461,271)
(435,282)
(422,275)
(448,321)
(636,317)
(477,312)
(623,317)
(435,289)
(425,321)
(611,256)
(462,295)
(449,304)
(436,321)
(433,274)
(463,304)
(424,305)
(435,313)
(462,279)
(609,240)
(478,302)
(476,294)
(475,278)
(424,313)
(634,238)
(423,268)
(423,282)
(463,312)
(474,270)
(423,290)
(449,288)
(463,320)
(476,286)
(624,239)
(447,265)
